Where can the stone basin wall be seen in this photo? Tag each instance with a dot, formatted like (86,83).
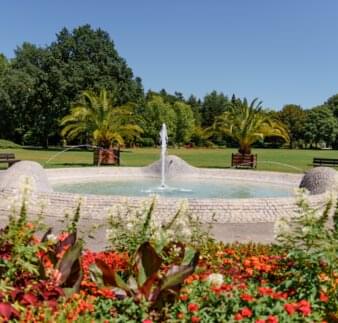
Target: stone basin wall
(56,204)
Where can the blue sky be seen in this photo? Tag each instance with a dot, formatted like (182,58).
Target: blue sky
(280,51)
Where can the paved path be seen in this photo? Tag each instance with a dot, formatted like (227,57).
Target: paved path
(230,232)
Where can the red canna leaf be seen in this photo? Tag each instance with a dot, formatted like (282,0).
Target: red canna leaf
(70,259)
(29,299)
(108,273)
(147,263)
(66,243)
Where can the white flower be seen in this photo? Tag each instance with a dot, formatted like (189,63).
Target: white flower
(305,230)
(216,279)
(281,227)
(129,225)
(186,232)
(52,238)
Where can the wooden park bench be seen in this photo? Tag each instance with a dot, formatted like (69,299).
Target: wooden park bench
(8,158)
(331,162)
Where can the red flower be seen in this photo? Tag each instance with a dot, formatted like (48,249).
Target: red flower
(265,291)
(304,307)
(272,319)
(191,278)
(238,317)
(192,307)
(280,295)
(247,297)
(246,312)
(323,297)
(226,287)
(195,319)
(180,315)
(147,321)
(290,308)
(260,321)
(184,297)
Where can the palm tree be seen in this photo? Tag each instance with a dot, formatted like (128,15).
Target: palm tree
(101,120)
(247,123)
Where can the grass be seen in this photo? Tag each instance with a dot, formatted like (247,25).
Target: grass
(283,160)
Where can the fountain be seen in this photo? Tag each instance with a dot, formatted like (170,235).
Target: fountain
(164,141)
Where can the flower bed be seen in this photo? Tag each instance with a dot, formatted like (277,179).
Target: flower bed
(151,277)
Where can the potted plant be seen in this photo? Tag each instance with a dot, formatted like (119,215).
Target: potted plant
(106,124)
(246,124)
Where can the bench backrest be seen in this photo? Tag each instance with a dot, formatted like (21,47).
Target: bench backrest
(7,156)
(325,161)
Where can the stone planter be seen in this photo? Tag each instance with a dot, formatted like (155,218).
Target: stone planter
(244,160)
(109,156)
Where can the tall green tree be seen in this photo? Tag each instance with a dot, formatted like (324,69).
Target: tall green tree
(185,122)
(321,126)
(293,116)
(195,105)
(214,104)
(153,114)
(100,119)
(247,123)
(80,59)
(332,103)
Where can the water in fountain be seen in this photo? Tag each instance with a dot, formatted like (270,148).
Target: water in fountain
(164,188)
(164,141)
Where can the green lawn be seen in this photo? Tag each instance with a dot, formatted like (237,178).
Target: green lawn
(268,159)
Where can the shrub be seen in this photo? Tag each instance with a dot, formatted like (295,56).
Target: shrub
(147,142)
(312,252)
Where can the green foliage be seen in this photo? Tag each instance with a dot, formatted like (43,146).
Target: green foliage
(97,117)
(312,246)
(156,112)
(247,123)
(120,311)
(5,144)
(130,228)
(42,82)
(293,116)
(145,281)
(184,122)
(321,125)
(214,104)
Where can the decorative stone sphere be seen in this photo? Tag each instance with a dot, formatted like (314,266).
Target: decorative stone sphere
(25,172)
(319,180)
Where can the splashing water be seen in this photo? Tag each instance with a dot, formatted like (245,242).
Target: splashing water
(70,148)
(164,141)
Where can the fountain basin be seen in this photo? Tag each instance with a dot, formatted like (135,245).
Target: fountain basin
(224,210)
(183,187)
